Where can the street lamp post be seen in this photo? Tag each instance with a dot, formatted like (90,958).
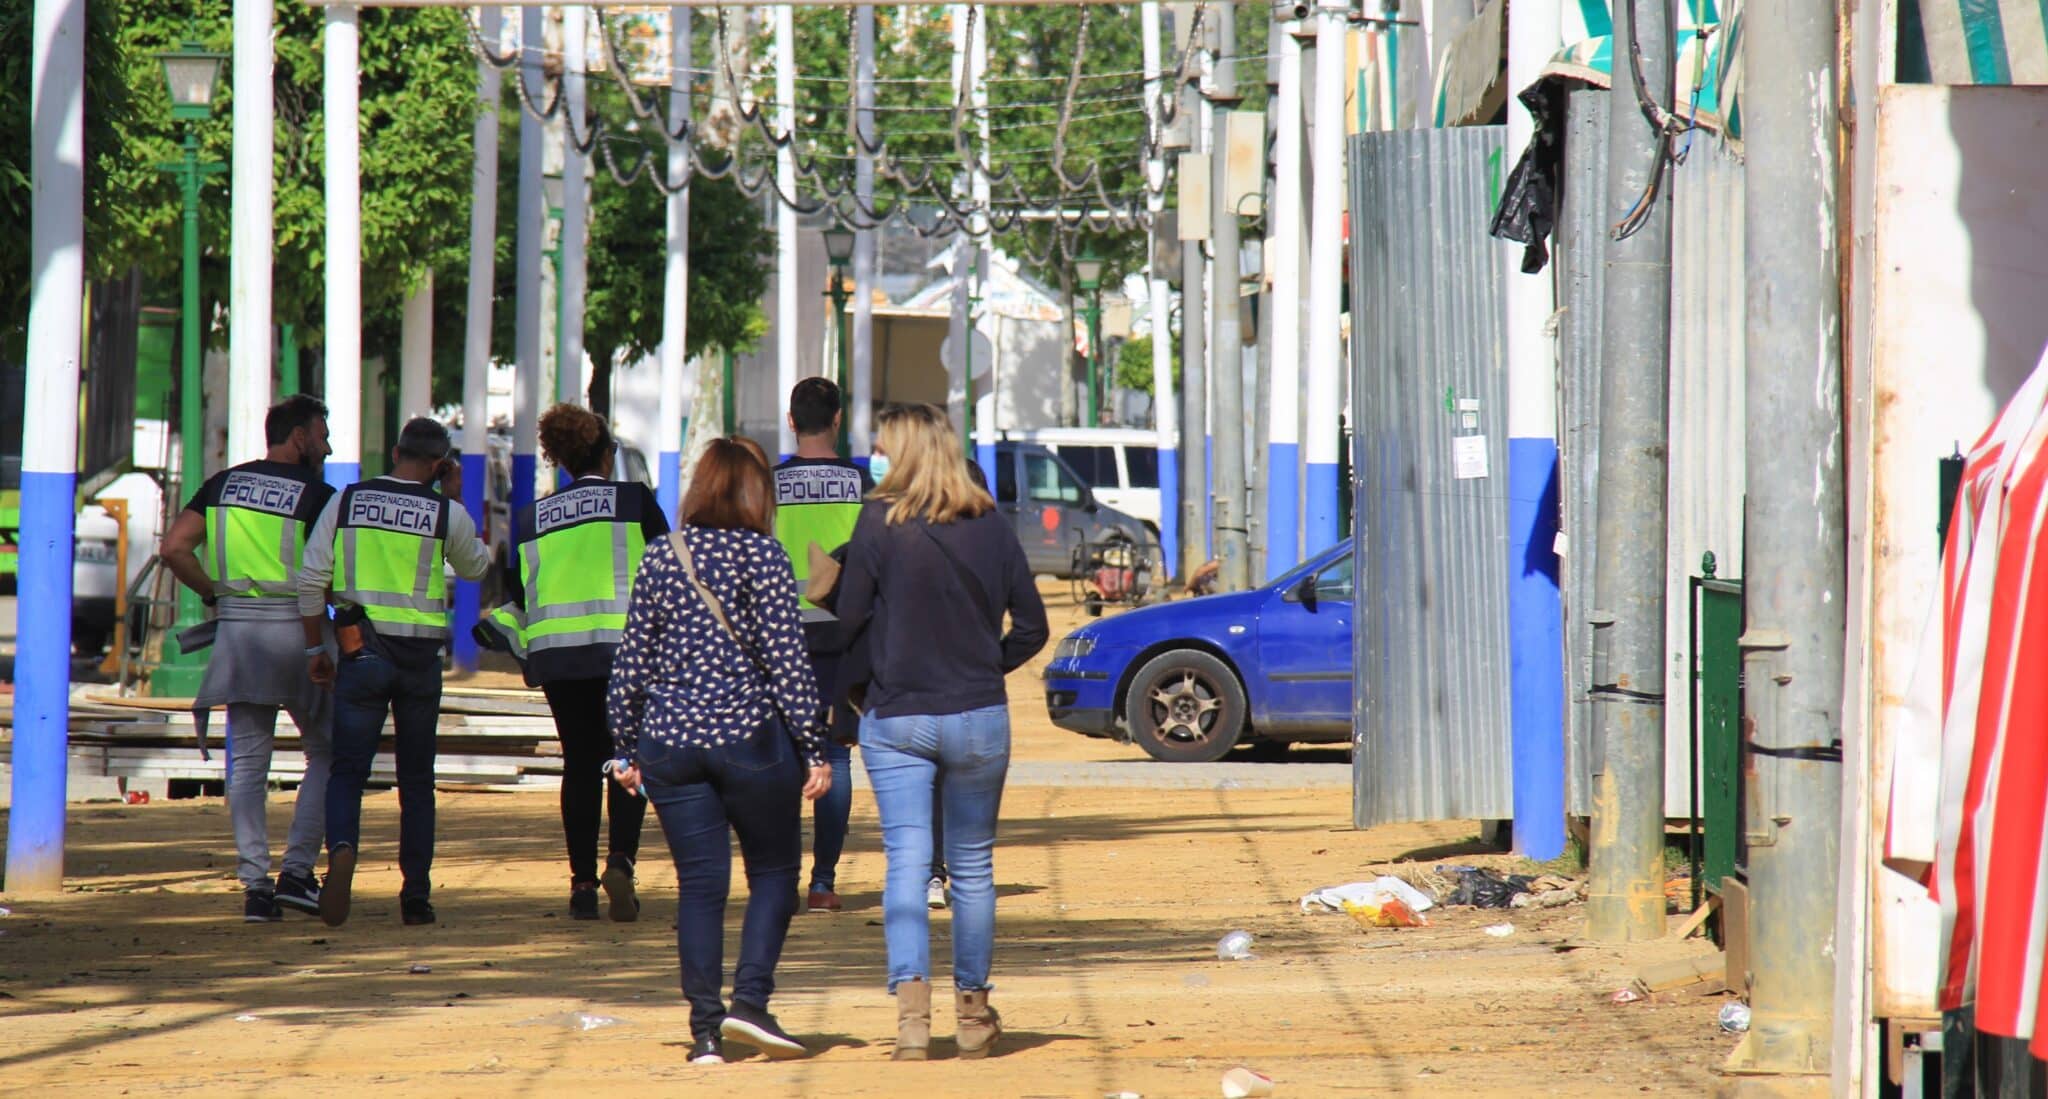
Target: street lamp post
(1088,270)
(190,73)
(839,250)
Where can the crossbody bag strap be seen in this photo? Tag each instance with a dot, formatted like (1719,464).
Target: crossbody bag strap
(711,602)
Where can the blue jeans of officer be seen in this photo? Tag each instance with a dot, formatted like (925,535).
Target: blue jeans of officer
(367,686)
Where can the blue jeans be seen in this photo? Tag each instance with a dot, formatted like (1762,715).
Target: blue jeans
(753,788)
(829,815)
(366,687)
(960,761)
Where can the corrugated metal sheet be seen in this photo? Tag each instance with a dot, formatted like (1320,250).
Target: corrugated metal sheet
(1431,718)
(1706,440)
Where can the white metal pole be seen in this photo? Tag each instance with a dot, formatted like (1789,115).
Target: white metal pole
(860,432)
(49,451)
(531,227)
(675,289)
(1165,410)
(963,255)
(571,382)
(1283,414)
(1535,611)
(250,236)
(476,332)
(1325,278)
(787,322)
(344,354)
(984,404)
(416,351)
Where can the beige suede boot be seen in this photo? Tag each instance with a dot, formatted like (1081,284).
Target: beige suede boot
(913,1020)
(979,1025)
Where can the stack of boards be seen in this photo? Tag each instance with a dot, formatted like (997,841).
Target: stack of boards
(487,738)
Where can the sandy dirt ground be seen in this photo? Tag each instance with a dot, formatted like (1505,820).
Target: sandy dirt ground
(142,980)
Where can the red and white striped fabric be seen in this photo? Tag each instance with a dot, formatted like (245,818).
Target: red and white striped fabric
(1990,850)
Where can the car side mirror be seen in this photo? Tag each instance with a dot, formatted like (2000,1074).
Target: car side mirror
(1304,591)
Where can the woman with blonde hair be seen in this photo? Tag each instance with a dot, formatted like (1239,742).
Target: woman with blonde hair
(930,571)
(714,716)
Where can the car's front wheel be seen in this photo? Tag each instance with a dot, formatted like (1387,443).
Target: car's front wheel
(1185,706)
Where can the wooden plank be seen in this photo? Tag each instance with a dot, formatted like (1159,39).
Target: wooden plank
(1735,933)
(1665,976)
(1698,919)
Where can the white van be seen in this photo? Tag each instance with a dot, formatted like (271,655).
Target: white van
(1120,464)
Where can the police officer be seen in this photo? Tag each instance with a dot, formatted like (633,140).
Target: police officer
(382,544)
(252,520)
(578,552)
(817,501)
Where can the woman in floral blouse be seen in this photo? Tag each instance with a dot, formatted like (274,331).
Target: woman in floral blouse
(714,717)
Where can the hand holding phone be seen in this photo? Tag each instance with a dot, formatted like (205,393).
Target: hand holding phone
(448,471)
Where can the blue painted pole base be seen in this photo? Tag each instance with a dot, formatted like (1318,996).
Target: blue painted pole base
(523,468)
(42,684)
(342,474)
(1169,512)
(1536,648)
(1320,506)
(668,490)
(468,596)
(1283,508)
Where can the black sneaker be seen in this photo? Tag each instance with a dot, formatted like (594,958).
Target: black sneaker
(753,1026)
(417,913)
(583,901)
(300,892)
(338,890)
(707,1050)
(260,907)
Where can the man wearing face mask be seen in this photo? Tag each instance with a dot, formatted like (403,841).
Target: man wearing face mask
(253,520)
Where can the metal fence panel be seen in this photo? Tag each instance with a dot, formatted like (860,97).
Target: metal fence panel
(1431,718)
(1706,419)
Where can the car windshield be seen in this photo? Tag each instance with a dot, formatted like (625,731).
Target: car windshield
(1295,574)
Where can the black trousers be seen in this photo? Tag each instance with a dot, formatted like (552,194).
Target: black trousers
(580,723)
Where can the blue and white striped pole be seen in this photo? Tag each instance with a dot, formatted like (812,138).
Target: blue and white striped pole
(476,334)
(1325,283)
(1165,402)
(42,667)
(344,357)
(675,287)
(1535,611)
(1283,408)
(532,224)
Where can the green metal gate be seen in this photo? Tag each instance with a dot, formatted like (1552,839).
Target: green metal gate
(1716,617)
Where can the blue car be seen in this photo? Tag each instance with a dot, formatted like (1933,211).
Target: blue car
(1188,681)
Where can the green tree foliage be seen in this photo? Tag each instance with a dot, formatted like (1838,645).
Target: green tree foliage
(729,268)
(418,89)
(108,98)
(1134,364)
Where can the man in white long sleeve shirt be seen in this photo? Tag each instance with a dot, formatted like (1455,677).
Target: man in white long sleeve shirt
(381,545)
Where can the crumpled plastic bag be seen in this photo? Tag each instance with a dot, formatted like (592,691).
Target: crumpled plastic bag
(1374,894)
(1478,888)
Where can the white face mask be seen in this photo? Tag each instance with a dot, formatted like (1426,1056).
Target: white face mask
(878,466)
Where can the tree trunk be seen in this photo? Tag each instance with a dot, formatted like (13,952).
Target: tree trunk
(1070,360)
(601,360)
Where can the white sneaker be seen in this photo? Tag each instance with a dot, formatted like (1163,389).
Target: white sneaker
(935,893)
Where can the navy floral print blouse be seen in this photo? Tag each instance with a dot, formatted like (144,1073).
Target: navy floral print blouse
(681,679)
